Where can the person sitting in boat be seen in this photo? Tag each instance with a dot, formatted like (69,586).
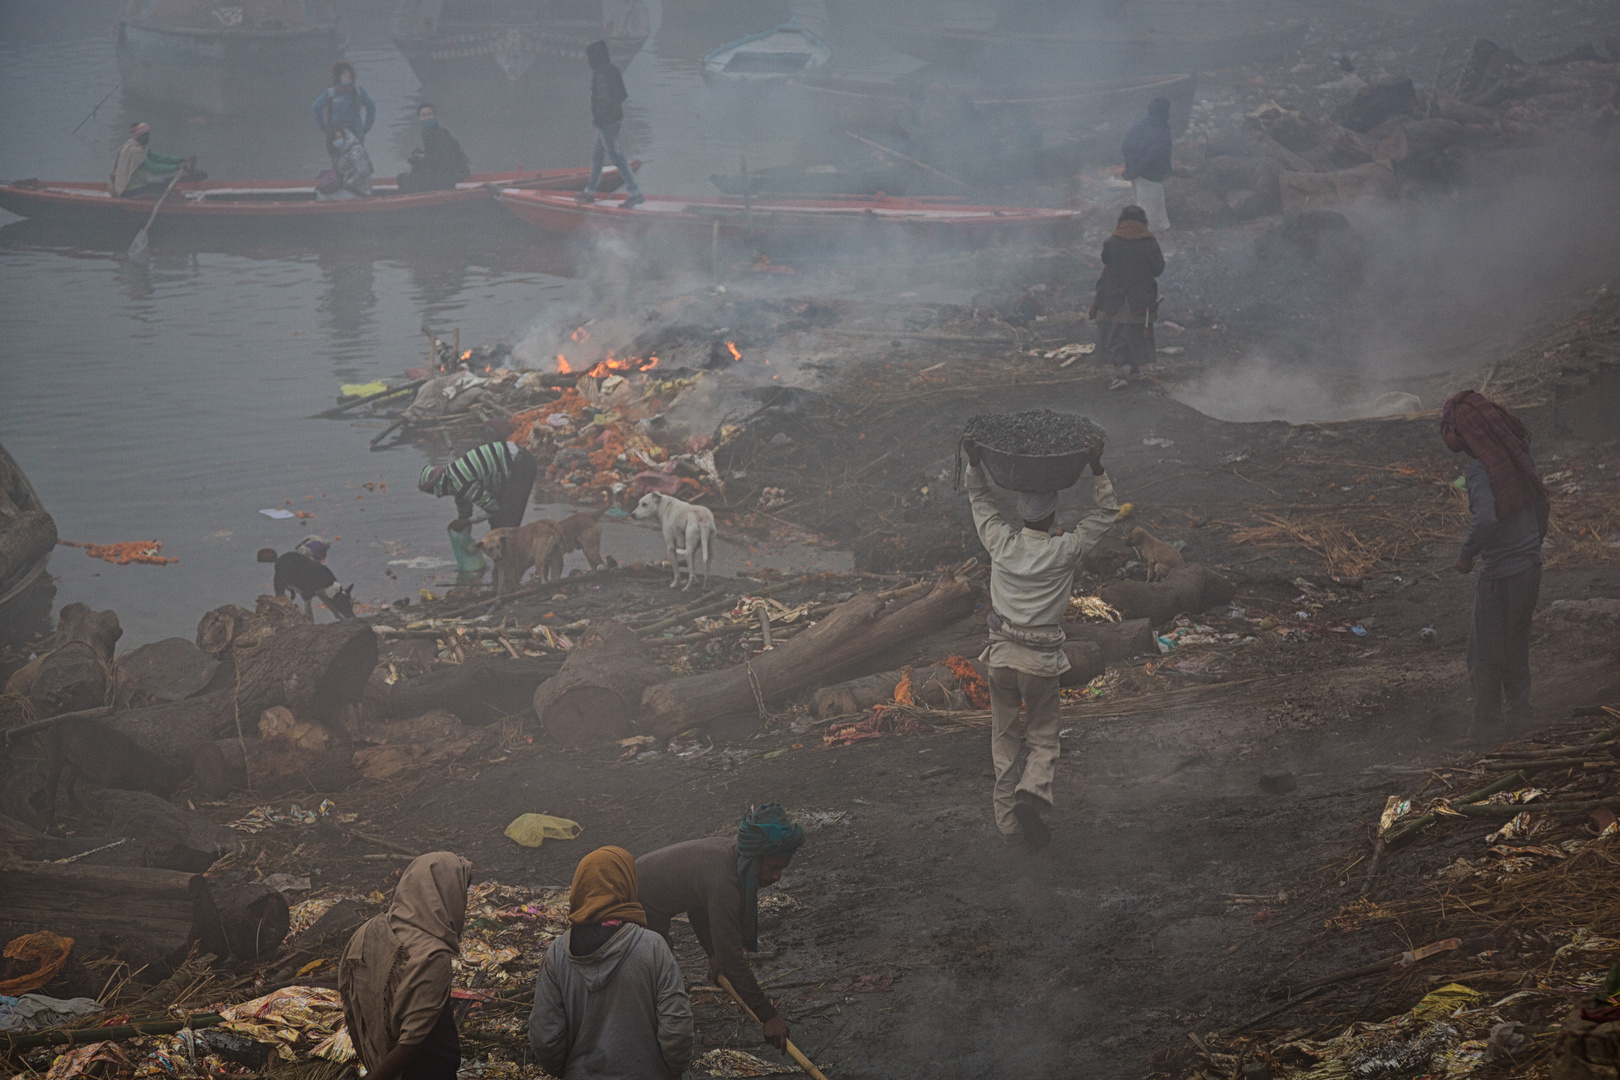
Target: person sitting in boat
(350,177)
(139,171)
(344,104)
(439,163)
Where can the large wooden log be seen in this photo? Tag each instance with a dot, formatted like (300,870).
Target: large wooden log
(854,631)
(163,671)
(169,837)
(253,920)
(271,768)
(597,694)
(1190,587)
(140,915)
(480,691)
(75,671)
(934,686)
(1085,663)
(1118,641)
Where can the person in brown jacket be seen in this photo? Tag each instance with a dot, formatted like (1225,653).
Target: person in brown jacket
(1127,298)
(716,883)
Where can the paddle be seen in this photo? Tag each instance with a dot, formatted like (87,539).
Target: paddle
(137,246)
(880,148)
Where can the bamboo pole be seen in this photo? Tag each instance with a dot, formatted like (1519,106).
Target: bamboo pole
(793,1051)
(79,1036)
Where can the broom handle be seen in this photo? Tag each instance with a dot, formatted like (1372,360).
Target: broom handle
(793,1051)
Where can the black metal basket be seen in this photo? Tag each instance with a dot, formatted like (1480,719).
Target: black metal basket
(1034,472)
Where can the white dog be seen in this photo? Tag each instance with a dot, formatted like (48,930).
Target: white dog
(681,521)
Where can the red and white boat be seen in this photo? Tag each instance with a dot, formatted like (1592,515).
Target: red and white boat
(821,217)
(227,202)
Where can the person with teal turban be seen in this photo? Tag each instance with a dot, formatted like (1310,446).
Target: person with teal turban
(715,882)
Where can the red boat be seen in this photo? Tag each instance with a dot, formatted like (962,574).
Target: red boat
(240,202)
(822,217)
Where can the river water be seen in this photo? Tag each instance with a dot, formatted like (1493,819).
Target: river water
(173,403)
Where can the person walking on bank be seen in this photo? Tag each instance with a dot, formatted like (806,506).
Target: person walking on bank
(1147,161)
(715,881)
(394,977)
(1127,300)
(497,477)
(1508,505)
(609,1003)
(608,96)
(344,104)
(1031,579)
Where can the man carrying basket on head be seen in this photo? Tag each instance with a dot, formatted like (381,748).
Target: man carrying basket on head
(1031,580)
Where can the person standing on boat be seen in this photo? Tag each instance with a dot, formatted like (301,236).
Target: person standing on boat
(608,96)
(1147,161)
(439,164)
(139,171)
(344,104)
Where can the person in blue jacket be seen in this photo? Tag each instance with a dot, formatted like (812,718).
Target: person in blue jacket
(344,104)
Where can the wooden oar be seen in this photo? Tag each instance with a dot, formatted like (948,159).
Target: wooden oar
(137,246)
(793,1051)
(880,148)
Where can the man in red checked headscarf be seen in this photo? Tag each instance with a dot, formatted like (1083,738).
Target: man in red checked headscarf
(1508,504)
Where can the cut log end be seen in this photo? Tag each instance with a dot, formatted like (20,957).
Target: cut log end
(586,715)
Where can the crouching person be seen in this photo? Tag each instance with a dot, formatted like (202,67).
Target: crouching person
(610,1003)
(395,974)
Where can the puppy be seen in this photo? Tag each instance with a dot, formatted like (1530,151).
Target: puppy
(298,574)
(1160,557)
(583,532)
(681,521)
(91,749)
(513,551)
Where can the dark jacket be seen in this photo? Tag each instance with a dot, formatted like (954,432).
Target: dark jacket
(608,94)
(1132,264)
(441,159)
(699,877)
(1505,547)
(1147,149)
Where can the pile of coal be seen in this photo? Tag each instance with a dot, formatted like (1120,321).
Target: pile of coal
(1037,433)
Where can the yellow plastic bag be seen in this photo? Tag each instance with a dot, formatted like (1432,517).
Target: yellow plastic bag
(350,389)
(532,830)
(1441,1003)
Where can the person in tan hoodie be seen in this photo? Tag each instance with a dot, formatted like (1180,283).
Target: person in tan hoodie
(394,977)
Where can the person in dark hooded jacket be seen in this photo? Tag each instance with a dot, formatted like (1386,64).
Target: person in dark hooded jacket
(608,96)
(1127,298)
(1147,161)
(439,164)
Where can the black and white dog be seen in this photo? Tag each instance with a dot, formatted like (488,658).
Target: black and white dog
(301,575)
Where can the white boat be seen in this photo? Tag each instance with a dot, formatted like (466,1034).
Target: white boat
(781,53)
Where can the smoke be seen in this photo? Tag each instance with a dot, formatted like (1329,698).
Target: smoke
(1413,296)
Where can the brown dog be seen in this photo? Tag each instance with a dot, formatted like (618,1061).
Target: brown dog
(513,551)
(1160,557)
(581,531)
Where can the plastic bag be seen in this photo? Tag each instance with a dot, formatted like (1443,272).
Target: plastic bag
(469,560)
(532,830)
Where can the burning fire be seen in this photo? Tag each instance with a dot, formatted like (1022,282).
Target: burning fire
(563,366)
(581,334)
(735,355)
(611,366)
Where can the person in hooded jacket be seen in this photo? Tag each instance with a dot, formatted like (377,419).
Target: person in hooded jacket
(1127,299)
(344,104)
(439,164)
(609,1003)
(394,976)
(608,96)
(1147,161)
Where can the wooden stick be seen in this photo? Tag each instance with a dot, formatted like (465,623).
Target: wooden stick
(40,725)
(78,1036)
(365,398)
(908,160)
(1404,829)
(793,1051)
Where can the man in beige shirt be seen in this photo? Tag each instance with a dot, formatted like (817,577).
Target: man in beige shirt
(1031,580)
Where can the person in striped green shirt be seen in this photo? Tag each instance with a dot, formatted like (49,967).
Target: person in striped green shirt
(496,478)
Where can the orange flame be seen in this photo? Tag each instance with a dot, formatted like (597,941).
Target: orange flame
(735,355)
(612,366)
(581,334)
(652,362)
(467,355)
(563,366)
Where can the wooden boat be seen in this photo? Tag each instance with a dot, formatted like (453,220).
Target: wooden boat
(27,538)
(900,178)
(779,53)
(826,218)
(514,44)
(284,201)
(1058,108)
(225,60)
